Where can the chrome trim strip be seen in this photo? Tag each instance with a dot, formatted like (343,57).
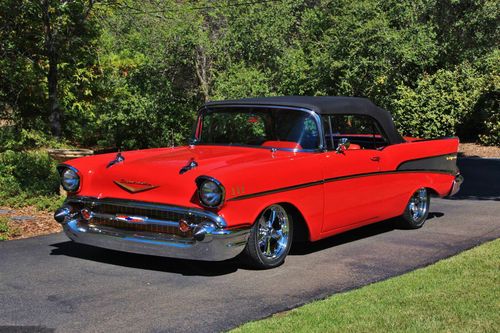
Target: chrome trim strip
(328,180)
(293,150)
(93,201)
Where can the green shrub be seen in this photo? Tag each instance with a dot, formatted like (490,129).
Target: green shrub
(491,134)
(4,229)
(490,131)
(439,103)
(13,138)
(240,81)
(28,178)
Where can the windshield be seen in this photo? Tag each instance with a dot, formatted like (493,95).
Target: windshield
(264,127)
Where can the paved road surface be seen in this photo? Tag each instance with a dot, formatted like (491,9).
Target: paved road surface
(47,281)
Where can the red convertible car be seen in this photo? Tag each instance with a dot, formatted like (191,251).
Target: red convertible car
(256,175)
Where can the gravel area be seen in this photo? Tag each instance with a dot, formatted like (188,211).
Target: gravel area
(475,150)
(28,222)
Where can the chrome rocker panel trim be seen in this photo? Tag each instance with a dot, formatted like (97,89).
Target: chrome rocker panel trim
(219,242)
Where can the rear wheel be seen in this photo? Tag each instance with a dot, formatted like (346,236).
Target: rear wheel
(417,209)
(270,238)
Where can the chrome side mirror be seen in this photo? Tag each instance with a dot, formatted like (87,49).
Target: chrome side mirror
(343,145)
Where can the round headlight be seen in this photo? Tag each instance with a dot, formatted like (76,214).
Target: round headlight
(70,180)
(211,193)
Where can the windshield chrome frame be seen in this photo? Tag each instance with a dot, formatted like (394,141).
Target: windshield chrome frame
(316,117)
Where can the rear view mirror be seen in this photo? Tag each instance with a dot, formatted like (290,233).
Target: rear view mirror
(343,145)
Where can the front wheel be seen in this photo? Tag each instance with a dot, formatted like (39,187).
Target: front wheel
(270,238)
(417,209)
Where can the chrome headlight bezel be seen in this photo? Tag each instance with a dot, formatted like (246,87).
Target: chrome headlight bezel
(70,178)
(208,185)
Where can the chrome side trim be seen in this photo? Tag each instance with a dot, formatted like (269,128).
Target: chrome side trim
(328,180)
(93,202)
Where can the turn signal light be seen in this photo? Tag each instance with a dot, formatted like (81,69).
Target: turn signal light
(184,226)
(86,214)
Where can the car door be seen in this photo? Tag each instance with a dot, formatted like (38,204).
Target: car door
(351,176)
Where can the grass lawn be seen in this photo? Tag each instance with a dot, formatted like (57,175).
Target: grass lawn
(459,294)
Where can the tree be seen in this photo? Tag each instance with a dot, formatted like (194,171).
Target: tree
(42,43)
(65,27)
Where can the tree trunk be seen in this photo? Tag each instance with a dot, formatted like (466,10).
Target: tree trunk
(52,79)
(202,64)
(54,108)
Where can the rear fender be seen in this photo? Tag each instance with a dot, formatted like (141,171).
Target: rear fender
(422,155)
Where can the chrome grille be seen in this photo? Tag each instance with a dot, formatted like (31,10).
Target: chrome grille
(147,226)
(147,212)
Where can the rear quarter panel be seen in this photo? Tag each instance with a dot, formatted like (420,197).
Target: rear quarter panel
(411,165)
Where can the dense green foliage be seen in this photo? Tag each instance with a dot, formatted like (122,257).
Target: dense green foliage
(28,178)
(459,294)
(5,230)
(132,74)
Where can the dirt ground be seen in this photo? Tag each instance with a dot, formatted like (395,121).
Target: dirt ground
(475,150)
(28,221)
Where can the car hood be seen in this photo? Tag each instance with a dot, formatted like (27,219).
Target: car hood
(154,175)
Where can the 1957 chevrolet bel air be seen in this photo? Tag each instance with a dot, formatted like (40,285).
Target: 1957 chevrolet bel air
(258,174)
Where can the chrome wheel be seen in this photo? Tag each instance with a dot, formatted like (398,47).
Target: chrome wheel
(273,232)
(419,205)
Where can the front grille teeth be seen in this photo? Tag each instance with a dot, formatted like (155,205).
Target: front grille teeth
(139,227)
(142,220)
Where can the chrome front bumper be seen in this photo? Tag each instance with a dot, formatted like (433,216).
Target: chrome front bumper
(217,243)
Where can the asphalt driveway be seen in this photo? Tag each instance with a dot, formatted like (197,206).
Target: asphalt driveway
(51,283)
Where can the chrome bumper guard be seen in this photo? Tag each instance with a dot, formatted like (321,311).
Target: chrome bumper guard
(216,244)
(457,182)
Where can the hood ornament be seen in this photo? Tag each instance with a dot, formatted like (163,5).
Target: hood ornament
(134,187)
(191,165)
(118,159)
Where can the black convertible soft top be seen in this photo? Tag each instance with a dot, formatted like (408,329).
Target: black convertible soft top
(324,105)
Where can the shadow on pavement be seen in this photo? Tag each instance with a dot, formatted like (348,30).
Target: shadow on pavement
(144,262)
(481,179)
(353,235)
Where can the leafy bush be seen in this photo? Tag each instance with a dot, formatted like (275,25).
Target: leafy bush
(28,178)
(13,138)
(240,81)
(490,132)
(439,103)
(4,229)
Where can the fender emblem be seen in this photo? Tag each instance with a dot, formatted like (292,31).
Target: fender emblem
(134,187)
(130,219)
